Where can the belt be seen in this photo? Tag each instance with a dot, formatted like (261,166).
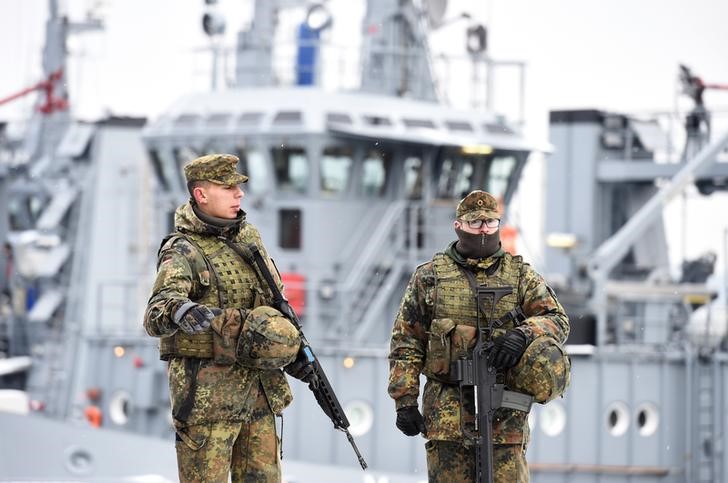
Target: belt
(186,345)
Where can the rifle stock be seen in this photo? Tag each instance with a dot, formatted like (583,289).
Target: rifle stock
(321,388)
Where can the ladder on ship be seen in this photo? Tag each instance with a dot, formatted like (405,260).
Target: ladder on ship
(707,445)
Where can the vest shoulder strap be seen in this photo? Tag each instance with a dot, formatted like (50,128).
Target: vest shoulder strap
(195,256)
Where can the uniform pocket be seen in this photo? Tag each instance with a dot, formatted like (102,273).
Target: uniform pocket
(439,347)
(194,437)
(225,333)
(463,341)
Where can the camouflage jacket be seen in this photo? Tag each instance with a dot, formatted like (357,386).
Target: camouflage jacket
(184,274)
(409,342)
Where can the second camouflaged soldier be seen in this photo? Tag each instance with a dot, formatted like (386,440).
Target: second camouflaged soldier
(224,345)
(435,326)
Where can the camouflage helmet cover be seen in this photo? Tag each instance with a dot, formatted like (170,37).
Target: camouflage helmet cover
(544,370)
(216,168)
(477,205)
(268,339)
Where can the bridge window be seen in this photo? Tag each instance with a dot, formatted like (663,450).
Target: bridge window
(456,176)
(498,128)
(249,119)
(415,123)
(338,117)
(288,118)
(252,164)
(501,169)
(464,180)
(218,119)
(377,121)
(290,166)
(446,179)
(186,120)
(336,165)
(182,156)
(374,172)
(413,177)
(459,126)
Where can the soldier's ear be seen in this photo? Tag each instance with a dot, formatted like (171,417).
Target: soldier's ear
(457,225)
(199,194)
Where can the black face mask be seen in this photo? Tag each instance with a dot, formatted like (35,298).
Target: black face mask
(480,245)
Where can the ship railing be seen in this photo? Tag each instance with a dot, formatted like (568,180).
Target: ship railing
(663,134)
(661,315)
(391,249)
(481,82)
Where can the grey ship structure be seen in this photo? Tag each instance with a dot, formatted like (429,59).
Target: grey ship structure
(351,189)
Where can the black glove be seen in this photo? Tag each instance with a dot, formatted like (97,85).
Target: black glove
(302,369)
(508,349)
(194,318)
(410,421)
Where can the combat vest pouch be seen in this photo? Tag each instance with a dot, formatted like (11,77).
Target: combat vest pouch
(180,344)
(225,334)
(439,347)
(449,342)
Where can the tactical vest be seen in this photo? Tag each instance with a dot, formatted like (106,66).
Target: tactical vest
(222,279)
(452,333)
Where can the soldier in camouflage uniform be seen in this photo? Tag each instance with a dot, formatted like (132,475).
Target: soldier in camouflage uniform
(225,347)
(436,325)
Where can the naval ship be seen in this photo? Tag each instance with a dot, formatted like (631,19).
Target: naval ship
(354,182)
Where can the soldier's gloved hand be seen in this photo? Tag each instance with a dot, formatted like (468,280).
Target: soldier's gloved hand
(410,421)
(194,318)
(302,369)
(508,349)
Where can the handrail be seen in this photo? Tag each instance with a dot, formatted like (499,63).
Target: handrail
(378,303)
(374,247)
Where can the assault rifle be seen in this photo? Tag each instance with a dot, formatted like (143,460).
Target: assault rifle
(321,389)
(475,373)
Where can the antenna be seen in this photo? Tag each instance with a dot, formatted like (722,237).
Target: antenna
(213,23)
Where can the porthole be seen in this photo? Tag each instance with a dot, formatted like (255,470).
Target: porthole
(360,416)
(553,419)
(79,460)
(617,418)
(119,408)
(647,419)
(531,420)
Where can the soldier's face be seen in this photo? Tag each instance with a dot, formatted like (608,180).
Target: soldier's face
(219,200)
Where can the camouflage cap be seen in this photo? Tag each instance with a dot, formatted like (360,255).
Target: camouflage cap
(477,205)
(216,168)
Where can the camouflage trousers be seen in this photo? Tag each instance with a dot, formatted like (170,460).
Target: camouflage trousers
(247,451)
(451,462)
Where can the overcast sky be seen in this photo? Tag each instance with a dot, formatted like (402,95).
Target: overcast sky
(620,55)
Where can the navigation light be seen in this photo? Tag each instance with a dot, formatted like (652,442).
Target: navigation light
(318,17)
(477,149)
